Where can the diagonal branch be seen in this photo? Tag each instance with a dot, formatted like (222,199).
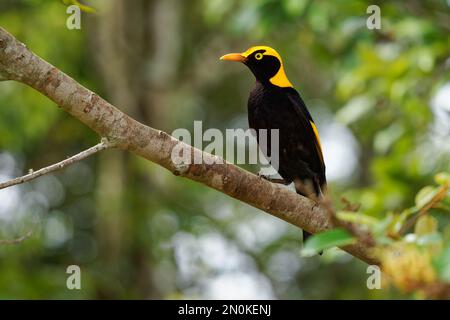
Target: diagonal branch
(20,64)
(104,144)
(17,240)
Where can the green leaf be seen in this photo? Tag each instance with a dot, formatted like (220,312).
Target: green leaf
(382,227)
(425,195)
(429,239)
(357,218)
(399,219)
(325,240)
(442,264)
(82,7)
(442,178)
(425,225)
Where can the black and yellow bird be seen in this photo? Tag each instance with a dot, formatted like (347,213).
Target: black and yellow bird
(275,104)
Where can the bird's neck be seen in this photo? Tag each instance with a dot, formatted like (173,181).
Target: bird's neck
(268,86)
(280,79)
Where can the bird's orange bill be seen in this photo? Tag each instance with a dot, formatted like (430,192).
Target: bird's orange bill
(233,57)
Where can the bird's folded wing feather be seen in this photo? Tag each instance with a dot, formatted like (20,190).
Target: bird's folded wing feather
(310,131)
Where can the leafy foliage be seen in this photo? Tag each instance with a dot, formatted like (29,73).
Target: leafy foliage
(413,258)
(326,240)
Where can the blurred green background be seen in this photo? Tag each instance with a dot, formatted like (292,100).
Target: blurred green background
(381,99)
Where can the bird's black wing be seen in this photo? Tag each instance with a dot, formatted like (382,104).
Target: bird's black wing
(317,163)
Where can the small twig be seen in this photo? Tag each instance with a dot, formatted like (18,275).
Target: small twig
(363,236)
(349,206)
(17,240)
(440,195)
(104,144)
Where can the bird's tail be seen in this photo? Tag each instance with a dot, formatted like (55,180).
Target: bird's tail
(312,190)
(306,235)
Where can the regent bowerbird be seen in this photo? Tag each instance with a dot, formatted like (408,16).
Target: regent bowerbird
(275,104)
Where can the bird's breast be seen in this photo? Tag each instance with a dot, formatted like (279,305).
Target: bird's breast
(268,108)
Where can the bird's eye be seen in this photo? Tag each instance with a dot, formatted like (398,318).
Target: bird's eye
(258,56)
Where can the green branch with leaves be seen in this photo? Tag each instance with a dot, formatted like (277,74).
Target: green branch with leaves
(412,247)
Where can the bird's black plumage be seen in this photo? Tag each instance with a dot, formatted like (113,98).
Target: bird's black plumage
(275,104)
(300,157)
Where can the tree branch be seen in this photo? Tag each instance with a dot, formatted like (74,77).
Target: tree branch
(17,240)
(104,144)
(20,64)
